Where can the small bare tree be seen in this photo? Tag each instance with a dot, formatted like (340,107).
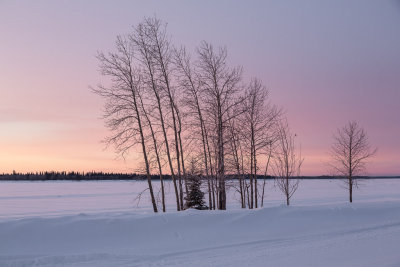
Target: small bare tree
(350,152)
(269,155)
(286,163)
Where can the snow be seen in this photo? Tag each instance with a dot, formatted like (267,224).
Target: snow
(320,229)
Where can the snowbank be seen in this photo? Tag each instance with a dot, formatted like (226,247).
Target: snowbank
(363,234)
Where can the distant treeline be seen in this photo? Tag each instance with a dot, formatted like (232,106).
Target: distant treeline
(73,176)
(89,176)
(95,176)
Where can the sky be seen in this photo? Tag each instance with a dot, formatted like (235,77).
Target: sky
(324,62)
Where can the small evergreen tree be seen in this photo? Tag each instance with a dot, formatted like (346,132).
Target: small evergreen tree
(195,197)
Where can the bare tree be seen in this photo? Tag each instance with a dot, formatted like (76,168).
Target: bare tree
(142,38)
(162,53)
(350,152)
(269,155)
(220,86)
(258,121)
(191,87)
(286,163)
(122,111)
(235,135)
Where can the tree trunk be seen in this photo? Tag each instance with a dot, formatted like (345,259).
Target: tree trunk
(263,192)
(265,175)
(287,190)
(213,192)
(209,193)
(178,206)
(237,164)
(255,181)
(251,178)
(177,153)
(153,201)
(156,152)
(350,189)
(221,159)
(241,191)
(210,165)
(181,148)
(248,195)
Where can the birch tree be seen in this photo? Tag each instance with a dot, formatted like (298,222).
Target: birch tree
(258,121)
(286,162)
(161,51)
(156,148)
(220,86)
(190,83)
(143,40)
(350,153)
(122,109)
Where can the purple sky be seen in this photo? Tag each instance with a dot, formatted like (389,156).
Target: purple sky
(325,62)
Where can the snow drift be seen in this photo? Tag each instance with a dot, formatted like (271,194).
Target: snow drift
(361,234)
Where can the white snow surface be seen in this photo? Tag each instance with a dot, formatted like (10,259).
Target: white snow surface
(71,224)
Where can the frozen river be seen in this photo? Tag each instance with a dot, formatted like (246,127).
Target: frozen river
(54,198)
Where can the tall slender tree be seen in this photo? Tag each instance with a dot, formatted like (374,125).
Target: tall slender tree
(220,86)
(122,111)
(161,51)
(191,87)
(142,38)
(287,163)
(258,130)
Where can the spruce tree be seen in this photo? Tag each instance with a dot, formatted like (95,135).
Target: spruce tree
(195,197)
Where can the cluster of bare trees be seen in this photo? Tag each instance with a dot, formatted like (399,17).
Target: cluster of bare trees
(177,109)
(200,112)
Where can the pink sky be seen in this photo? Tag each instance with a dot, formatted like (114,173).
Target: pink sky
(325,62)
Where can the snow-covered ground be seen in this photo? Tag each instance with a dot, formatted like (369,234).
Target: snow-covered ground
(97,224)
